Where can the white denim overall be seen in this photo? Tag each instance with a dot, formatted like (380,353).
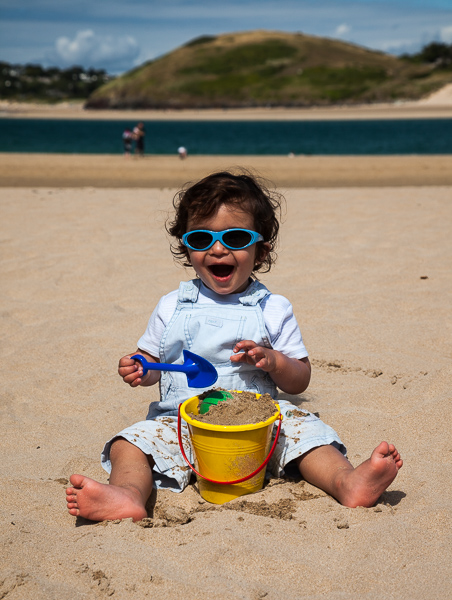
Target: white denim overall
(211,331)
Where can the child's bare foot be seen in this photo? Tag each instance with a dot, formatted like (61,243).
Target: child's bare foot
(99,502)
(365,484)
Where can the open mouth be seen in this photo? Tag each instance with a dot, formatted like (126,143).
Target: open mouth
(221,271)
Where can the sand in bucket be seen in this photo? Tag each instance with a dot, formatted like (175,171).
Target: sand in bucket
(226,453)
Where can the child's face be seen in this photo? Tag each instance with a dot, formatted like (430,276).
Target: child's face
(223,270)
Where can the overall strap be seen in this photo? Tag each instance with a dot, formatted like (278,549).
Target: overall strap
(189,291)
(254,294)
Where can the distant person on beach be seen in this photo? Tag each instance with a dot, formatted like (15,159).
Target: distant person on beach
(139,134)
(225,227)
(127,139)
(182,151)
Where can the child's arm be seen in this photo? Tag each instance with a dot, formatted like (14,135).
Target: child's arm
(131,370)
(291,375)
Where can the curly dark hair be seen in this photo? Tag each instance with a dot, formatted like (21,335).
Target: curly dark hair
(246,191)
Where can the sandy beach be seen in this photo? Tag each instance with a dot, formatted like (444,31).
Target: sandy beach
(364,256)
(368,272)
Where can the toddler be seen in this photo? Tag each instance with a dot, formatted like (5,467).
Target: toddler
(225,228)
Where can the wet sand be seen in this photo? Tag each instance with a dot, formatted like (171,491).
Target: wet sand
(116,171)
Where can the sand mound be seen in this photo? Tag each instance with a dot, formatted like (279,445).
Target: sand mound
(244,408)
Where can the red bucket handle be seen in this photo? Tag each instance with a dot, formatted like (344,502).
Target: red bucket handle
(272,449)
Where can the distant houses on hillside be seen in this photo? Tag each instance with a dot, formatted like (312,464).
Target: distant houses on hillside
(34,82)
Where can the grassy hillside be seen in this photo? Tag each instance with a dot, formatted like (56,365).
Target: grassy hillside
(264,68)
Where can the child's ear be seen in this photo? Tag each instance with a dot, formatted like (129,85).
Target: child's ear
(262,251)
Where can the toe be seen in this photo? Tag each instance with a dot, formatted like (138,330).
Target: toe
(77,480)
(383,449)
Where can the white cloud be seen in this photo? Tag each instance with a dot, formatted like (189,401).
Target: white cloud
(342,30)
(399,47)
(102,51)
(446,34)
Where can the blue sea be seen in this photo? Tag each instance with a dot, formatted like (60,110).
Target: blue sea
(371,137)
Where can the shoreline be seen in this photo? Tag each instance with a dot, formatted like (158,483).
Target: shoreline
(429,108)
(157,171)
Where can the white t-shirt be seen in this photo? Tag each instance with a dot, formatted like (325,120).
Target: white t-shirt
(281,324)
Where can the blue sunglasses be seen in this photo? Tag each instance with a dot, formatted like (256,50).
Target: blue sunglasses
(234,239)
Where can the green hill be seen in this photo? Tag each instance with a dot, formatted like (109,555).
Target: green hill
(266,68)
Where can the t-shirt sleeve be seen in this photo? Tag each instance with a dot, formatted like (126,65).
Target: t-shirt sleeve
(150,340)
(285,334)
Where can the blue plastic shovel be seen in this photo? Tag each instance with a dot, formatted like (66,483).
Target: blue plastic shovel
(199,371)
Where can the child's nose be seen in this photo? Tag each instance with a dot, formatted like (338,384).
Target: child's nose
(218,248)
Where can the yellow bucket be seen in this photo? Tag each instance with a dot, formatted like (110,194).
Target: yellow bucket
(229,459)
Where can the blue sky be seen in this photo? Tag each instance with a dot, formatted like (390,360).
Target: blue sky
(119,34)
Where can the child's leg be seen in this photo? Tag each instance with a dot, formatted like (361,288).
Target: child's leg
(328,469)
(126,495)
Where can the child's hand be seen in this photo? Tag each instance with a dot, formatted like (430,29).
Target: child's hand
(132,371)
(291,375)
(249,352)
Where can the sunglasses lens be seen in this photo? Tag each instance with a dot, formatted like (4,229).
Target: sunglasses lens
(237,238)
(199,240)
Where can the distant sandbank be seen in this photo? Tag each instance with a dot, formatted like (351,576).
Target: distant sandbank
(437,106)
